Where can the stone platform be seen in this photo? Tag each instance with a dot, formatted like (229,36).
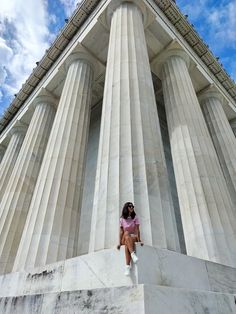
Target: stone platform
(162,282)
(136,299)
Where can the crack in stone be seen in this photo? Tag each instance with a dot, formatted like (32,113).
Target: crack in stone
(90,268)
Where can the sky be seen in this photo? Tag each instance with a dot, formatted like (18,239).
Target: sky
(28,27)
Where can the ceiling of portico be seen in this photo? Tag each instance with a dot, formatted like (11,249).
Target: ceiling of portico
(97,41)
(158,36)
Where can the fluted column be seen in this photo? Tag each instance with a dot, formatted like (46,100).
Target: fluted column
(207,211)
(233,125)
(16,200)
(131,164)
(10,156)
(2,152)
(51,232)
(223,137)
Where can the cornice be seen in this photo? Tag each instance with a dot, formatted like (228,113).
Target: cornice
(80,15)
(68,31)
(179,21)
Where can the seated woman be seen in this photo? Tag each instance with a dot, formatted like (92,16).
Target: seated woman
(129,234)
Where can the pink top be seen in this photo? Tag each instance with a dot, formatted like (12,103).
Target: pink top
(129,224)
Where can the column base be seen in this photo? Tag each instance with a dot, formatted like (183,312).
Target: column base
(161,282)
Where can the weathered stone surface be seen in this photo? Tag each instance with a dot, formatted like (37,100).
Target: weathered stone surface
(221,278)
(184,301)
(128,300)
(116,300)
(105,269)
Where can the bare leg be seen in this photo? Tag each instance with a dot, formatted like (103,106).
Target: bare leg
(127,252)
(127,256)
(129,243)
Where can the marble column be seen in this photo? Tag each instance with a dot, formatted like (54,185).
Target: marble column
(233,125)
(131,164)
(51,232)
(2,152)
(223,137)
(13,148)
(208,216)
(16,199)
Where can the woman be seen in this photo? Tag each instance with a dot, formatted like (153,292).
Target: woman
(129,234)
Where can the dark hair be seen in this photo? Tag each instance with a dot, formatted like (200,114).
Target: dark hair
(125,211)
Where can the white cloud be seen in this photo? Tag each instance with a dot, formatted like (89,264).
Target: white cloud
(24,37)
(216,23)
(222,21)
(1,95)
(215,20)
(194,8)
(3,75)
(69,6)
(6,52)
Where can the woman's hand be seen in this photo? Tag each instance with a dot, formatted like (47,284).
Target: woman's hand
(141,242)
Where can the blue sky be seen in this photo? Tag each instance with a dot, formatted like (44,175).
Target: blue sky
(27,30)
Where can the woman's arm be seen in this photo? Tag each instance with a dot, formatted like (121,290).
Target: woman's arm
(138,233)
(121,236)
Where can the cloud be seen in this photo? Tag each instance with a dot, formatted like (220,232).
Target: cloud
(222,22)
(24,37)
(215,21)
(1,95)
(69,6)
(194,8)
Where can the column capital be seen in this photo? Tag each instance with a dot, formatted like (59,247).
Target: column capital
(81,55)
(233,123)
(46,99)
(114,4)
(19,128)
(172,50)
(210,92)
(2,148)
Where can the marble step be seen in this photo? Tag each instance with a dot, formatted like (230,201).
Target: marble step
(105,269)
(150,299)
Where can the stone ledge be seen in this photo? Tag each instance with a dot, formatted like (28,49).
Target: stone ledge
(148,299)
(105,269)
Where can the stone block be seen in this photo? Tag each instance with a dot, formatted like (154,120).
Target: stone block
(45,278)
(166,300)
(105,269)
(139,299)
(221,278)
(178,270)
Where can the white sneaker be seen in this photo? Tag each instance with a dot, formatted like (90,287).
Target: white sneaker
(127,270)
(134,257)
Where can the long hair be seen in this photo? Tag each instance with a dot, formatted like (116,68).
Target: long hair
(125,211)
